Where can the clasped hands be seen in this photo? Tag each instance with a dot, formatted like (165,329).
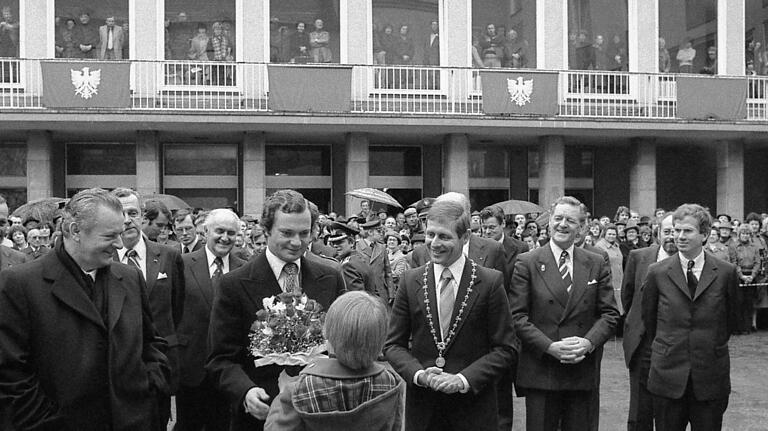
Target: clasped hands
(439,381)
(571,350)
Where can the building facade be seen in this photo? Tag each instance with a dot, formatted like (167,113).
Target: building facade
(208,125)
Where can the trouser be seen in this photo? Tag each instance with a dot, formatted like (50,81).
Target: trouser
(201,407)
(640,416)
(675,414)
(504,397)
(560,410)
(746,306)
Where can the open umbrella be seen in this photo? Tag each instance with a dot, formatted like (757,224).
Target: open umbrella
(375,195)
(44,210)
(172,202)
(514,206)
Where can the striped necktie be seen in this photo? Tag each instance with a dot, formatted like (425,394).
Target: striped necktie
(447,301)
(566,276)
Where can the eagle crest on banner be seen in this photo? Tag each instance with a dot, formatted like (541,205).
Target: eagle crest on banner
(520,90)
(86,82)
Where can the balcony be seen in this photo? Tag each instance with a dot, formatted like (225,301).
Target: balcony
(174,86)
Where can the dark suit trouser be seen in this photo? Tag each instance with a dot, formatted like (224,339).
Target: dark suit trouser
(674,414)
(201,407)
(504,398)
(559,410)
(640,416)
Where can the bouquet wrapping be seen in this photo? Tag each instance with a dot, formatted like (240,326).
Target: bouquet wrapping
(287,331)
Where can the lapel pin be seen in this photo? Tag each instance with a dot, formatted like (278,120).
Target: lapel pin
(543,268)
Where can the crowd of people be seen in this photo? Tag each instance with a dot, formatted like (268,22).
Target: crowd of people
(499,48)
(298,44)
(80,37)
(502,296)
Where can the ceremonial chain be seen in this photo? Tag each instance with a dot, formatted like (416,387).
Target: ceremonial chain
(441,345)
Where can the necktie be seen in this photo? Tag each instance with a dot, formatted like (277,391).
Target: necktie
(186,250)
(566,276)
(292,279)
(109,39)
(218,272)
(692,281)
(447,300)
(133,258)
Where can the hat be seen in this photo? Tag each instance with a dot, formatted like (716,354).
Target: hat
(410,211)
(371,224)
(724,215)
(620,222)
(632,226)
(424,205)
(475,213)
(726,225)
(342,232)
(644,221)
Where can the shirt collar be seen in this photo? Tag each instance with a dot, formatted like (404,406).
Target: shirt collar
(140,247)
(192,245)
(212,257)
(277,264)
(662,254)
(501,240)
(456,268)
(698,261)
(557,251)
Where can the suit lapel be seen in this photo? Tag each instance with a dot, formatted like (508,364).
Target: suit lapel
(581,271)
(153,265)
(477,250)
(466,276)
(675,273)
(115,297)
(202,276)
(69,292)
(431,295)
(261,282)
(708,275)
(548,270)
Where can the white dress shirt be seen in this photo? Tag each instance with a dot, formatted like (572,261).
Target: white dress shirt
(663,255)
(277,264)
(141,258)
(212,264)
(698,264)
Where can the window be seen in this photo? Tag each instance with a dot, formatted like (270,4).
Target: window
(204,175)
(394,161)
(481,198)
(688,32)
(597,35)
(488,162)
(200,159)
(15,197)
(101,159)
(304,31)
(504,33)
(319,197)
(578,162)
(406,32)
(9,41)
(95,30)
(302,160)
(206,198)
(13,163)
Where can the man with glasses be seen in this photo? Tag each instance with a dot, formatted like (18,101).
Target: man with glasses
(186,234)
(34,249)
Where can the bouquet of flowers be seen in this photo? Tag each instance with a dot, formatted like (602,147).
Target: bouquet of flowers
(287,331)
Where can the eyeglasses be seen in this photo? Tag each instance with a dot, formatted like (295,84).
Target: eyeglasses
(3,222)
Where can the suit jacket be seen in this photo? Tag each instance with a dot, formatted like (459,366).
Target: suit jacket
(690,335)
(432,51)
(376,256)
(484,251)
(482,350)
(10,257)
(234,309)
(544,312)
(357,273)
(117,42)
(512,248)
(632,297)
(62,367)
(193,329)
(34,254)
(198,245)
(321,249)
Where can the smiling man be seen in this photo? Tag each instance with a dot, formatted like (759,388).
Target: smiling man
(564,310)
(450,334)
(287,222)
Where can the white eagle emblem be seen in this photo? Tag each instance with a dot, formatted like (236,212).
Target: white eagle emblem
(86,82)
(520,91)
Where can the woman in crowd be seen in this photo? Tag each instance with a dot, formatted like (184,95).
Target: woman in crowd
(397,260)
(685,57)
(348,391)
(622,215)
(596,229)
(65,42)
(610,243)
(299,44)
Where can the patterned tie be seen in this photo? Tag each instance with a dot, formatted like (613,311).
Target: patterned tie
(691,278)
(292,278)
(447,300)
(133,259)
(564,271)
(218,272)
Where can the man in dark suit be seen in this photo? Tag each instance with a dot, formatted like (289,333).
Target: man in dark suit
(486,252)
(199,404)
(372,249)
(564,310)
(689,309)
(637,345)
(78,350)
(35,249)
(163,271)
(184,228)
(450,334)
(287,222)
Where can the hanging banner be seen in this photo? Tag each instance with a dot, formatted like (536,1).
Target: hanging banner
(310,88)
(707,97)
(86,84)
(515,92)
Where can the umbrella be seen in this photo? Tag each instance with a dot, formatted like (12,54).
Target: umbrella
(43,210)
(172,202)
(375,195)
(519,207)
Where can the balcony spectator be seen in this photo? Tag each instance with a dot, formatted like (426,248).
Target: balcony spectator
(126,38)
(477,60)
(198,51)
(111,40)
(583,51)
(515,51)
(65,40)
(9,34)
(299,44)
(318,42)
(665,62)
(710,64)
(759,59)
(180,35)
(379,53)
(222,51)
(86,37)
(599,53)
(403,47)
(685,57)
(388,44)
(432,46)
(617,54)
(491,45)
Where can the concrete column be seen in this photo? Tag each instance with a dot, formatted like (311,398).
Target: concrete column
(730,37)
(38,40)
(254,171)
(730,178)
(551,169)
(147,17)
(642,177)
(455,33)
(356,45)
(643,35)
(551,34)
(147,162)
(255,44)
(456,164)
(357,168)
(39,165)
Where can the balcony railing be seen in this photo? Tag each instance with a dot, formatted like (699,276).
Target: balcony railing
(404,90)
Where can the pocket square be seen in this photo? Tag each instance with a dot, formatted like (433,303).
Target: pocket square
(162,276)
(592,282)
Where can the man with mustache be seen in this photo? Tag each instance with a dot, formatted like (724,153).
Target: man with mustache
(637,345)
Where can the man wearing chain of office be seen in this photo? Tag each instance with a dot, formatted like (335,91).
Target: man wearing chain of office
(450,333)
